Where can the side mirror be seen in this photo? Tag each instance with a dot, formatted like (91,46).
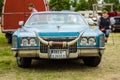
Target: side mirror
(21,23)
(91,24)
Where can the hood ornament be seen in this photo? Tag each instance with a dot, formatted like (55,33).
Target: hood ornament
(58,27)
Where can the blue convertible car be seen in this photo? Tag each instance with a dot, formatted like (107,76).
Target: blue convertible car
(57,35)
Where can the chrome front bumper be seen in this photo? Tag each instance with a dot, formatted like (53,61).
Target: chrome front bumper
(81,52)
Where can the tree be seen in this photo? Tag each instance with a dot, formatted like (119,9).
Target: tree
(83,5)
(59,5)
(116,4)
(1,4)
(74,3)
(90,3)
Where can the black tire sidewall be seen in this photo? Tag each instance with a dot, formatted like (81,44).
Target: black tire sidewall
(92,61)
(23,62)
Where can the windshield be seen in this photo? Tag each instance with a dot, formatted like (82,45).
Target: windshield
(55,19)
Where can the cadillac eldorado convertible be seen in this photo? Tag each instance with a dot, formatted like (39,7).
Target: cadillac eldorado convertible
(57,35)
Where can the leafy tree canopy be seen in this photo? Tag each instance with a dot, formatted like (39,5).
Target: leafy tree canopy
(1,4)
(82,5)
(116,4)
(58,5)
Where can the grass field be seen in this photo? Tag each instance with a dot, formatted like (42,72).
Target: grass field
(109,69)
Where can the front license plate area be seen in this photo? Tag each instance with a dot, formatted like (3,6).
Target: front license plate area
(58,54)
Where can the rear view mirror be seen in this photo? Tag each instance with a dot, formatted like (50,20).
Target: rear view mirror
(21,23)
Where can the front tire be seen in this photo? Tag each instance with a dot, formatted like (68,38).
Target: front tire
(9,37)
(23,62)
(92,61)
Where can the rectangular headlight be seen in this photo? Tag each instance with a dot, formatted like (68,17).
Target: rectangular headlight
(24,42)
(88,41)
(28,42)
(92,41)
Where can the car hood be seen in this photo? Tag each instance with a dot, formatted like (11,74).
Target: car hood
(57,31)
(57,28)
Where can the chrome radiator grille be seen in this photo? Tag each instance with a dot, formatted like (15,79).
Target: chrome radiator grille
(72,49)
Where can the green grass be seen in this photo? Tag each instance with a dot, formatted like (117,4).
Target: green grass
(109,69)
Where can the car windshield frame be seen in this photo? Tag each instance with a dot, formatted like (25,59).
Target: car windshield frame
(55,19)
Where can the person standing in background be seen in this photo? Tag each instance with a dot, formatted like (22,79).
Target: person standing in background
(31,7)
(105,24)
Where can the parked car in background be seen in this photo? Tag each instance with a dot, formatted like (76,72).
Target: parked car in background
(57,35)
(115,20)
(115,23)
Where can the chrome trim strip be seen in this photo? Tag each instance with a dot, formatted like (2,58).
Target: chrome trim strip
(15,49)
(26,53)
(101,48)
(36,53)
